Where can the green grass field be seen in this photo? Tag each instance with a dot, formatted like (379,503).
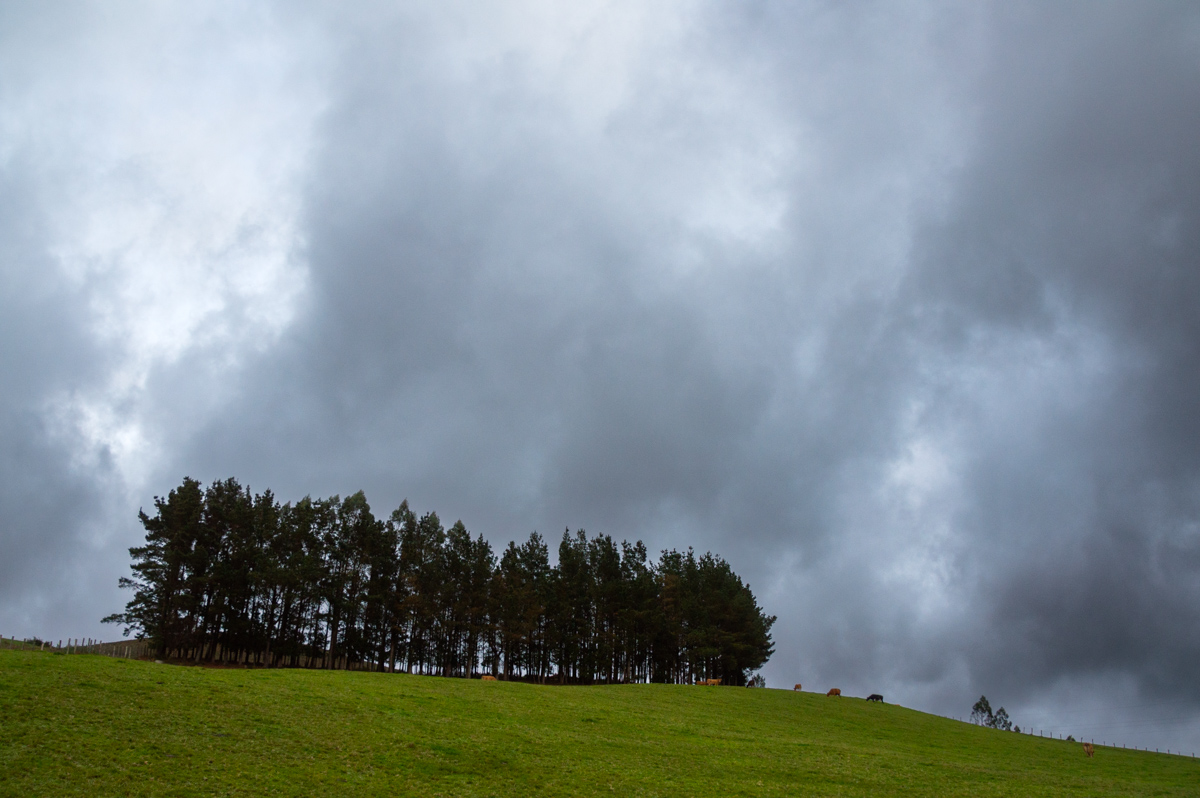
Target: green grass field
(90,725)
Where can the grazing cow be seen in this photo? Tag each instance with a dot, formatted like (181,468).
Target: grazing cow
(797,687)
(712,682)
(835,691)
(1087,749)
(875,697)
(489,678)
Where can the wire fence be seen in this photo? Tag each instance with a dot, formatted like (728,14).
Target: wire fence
(217,655)
(127,649)
(1052,735)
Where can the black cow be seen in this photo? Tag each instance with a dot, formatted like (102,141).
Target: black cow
(875,697)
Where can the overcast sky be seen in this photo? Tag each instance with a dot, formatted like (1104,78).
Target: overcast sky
(896,307)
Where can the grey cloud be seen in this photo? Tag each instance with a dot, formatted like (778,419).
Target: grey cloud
(1069,262)
(48,497)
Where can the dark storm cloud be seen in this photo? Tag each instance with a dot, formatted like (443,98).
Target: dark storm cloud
(1069,262)
(502,326)
(896,311)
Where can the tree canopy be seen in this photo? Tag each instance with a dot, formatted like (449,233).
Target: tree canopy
(232,576)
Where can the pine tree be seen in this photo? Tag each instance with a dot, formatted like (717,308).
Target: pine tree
(160,568)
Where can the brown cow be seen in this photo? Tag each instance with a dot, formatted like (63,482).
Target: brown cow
(489,678)
(835,691)
(708,682)
(797,687)
(1088,749)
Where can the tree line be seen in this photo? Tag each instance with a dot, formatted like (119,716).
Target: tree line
(229,575)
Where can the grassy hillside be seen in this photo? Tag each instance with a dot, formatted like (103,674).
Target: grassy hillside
(89,725)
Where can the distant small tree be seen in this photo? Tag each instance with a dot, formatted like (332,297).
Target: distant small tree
(981,713)
(1000,720)
(1070,739)
(757,680)
(1017,729)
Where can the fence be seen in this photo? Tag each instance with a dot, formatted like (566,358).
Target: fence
(140,649)
(129,649)
(1066,737)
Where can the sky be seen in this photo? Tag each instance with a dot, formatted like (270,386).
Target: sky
(896,307)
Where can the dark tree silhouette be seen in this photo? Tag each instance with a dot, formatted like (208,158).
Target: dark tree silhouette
(227,575)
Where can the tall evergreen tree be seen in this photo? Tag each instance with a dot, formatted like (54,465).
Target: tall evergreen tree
(160,568)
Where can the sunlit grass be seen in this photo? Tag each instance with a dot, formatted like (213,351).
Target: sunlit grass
(89,725)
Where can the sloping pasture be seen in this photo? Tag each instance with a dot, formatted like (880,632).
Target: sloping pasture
(93,725)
